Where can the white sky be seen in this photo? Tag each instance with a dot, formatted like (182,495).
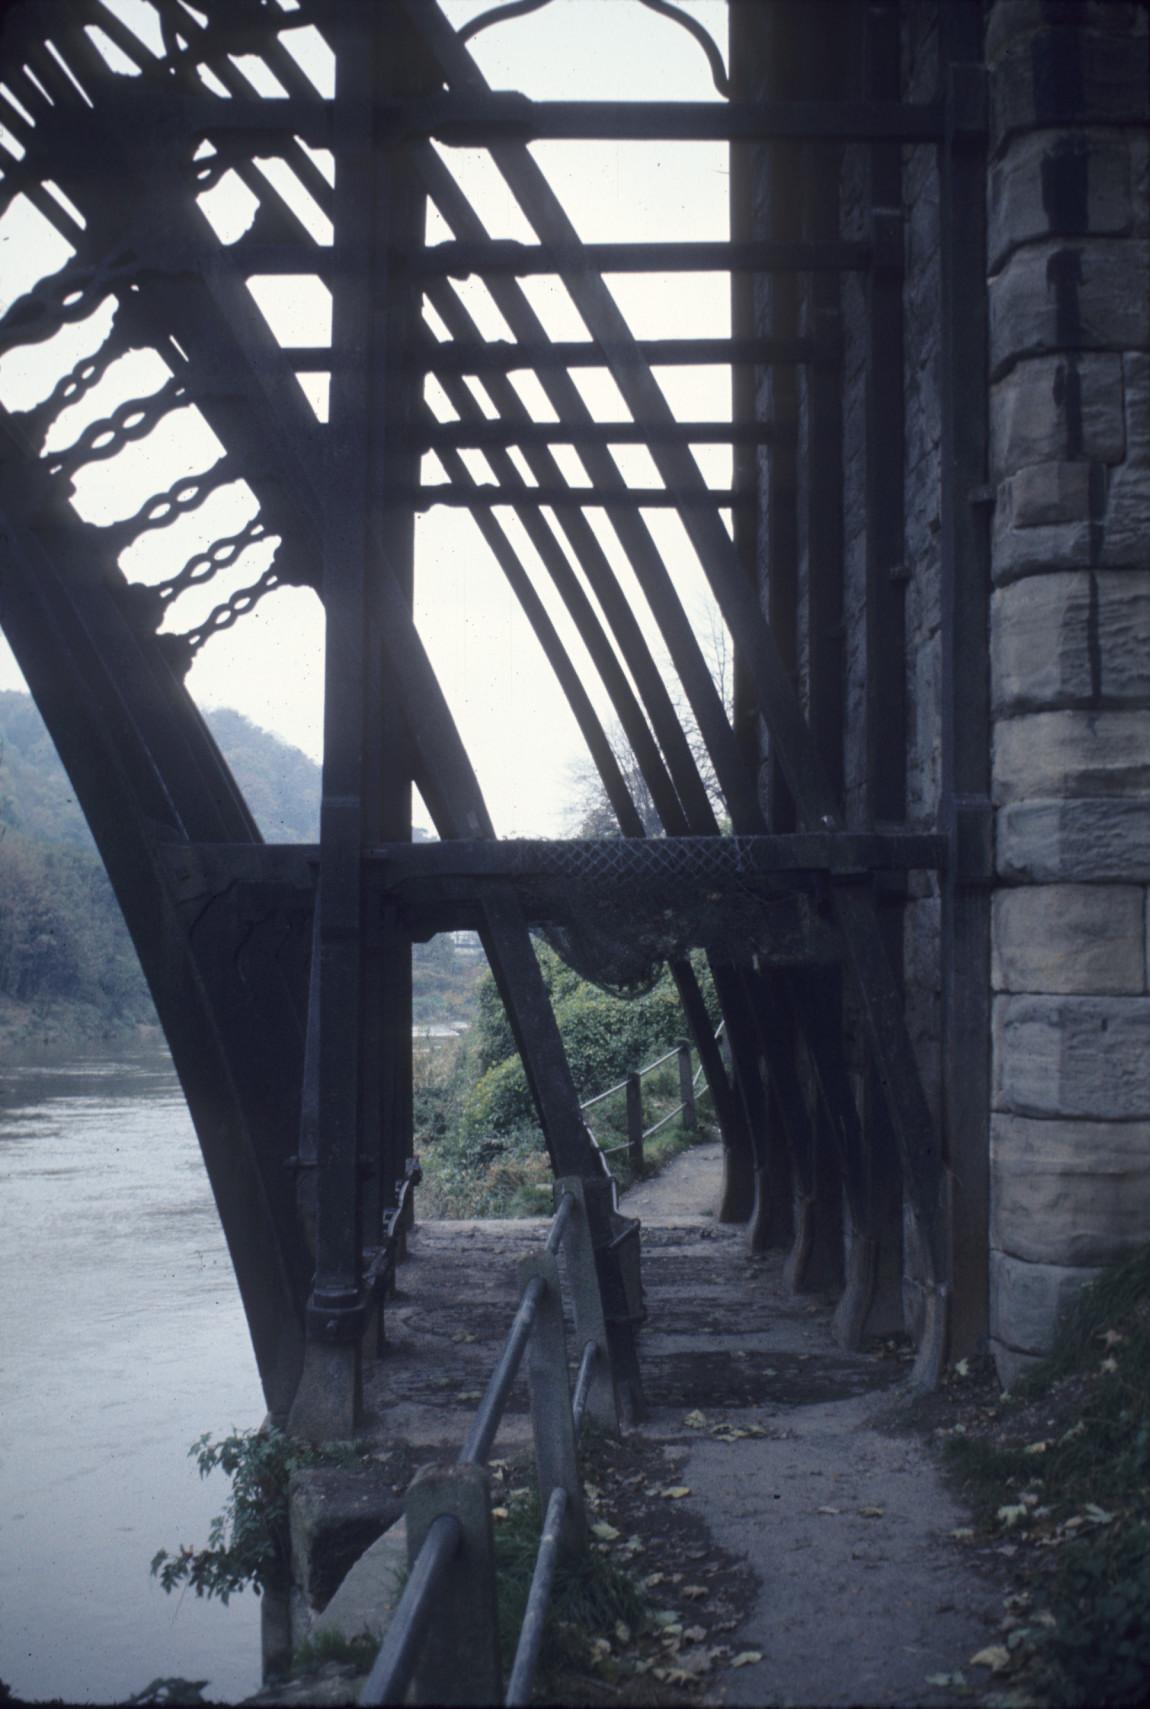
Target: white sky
(513,717)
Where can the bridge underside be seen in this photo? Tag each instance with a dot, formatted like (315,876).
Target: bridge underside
(282,974)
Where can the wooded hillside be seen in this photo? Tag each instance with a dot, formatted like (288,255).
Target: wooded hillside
(68,971)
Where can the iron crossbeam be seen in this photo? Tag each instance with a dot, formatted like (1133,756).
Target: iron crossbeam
(507,255)
(500,356)
(471,120)
(580,498)
(475,435)
(843,854)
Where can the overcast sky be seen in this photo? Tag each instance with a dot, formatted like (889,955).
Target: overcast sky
(521,737)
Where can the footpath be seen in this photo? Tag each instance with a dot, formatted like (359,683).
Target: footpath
(862,1593)
(823,1521)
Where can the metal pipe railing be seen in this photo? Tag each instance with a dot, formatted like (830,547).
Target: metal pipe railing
(538,1597)
(393,1666)
(490,1414)
(448,1507)
(583,1385)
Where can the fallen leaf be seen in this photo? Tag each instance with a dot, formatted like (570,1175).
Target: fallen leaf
(950,1680)
(871,1512)
(1111,1337)
(696,1420)
(499,1513)
(695,1591)
(1011,1514)
(469,1394)
(962,1369)
(606,1533)
(464,1335)
(695,1634)
(675,1493)
(830,1510)
(1098,1514)
(746,1657)
(1036,1447)
(995,1656)
(622,1631)
(1108,1367)
(653,1579)
(963,1534)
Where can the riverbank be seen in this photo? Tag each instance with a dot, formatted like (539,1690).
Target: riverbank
(48,1031)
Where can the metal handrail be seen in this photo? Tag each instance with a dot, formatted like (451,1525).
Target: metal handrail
(490,1414)
(399,1654)
(599,1096)
(658,1062)
(394,1664)
(535,1614)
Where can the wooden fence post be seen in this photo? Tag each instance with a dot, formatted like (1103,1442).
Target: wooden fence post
(687,1087)
(635,1123)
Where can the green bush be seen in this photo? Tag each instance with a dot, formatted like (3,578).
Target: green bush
(248,1542)
(603,1037)
(1099,1645)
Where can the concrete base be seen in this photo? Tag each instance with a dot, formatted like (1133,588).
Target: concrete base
(329,1401)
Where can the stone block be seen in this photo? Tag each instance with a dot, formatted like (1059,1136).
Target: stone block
(1021,552)
(335,1515)
(1053,407)
(1064,938)
(1069,1192)
(1058,184)
(1070,639)
(1089,295)
(1127,536)
(1028,1300)
(1139,144)
(1011,19)
(1047,754)
(1046,492)
(1085,1057)
(1100,838)
(1010,1365)
(366,1600)
(1055,76)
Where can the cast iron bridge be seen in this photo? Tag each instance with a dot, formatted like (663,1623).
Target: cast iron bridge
(282,974)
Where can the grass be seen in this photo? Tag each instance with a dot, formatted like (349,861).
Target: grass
(589,1596)
(332,1646)
(1066,1474)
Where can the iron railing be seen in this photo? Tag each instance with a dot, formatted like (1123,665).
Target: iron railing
(632,1085)
(449,1520)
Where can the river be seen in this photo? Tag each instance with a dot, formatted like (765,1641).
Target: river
(123,1341)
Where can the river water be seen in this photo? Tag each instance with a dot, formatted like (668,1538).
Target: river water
(122,1341)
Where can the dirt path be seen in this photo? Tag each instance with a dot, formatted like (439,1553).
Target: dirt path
(843,1519)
